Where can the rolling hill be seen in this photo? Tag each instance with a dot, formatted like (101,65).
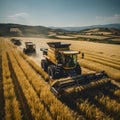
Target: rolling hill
(39,31)
(101,31)
(24,30)
(97,34)
(116,26)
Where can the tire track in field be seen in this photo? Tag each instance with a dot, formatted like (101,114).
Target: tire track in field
(25,111)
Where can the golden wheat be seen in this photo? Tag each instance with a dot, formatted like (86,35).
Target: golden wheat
(92,112)
(36,67)
(12,110)
(103,62)
(36,107)
(117,93)
(42,103)
(113,73)
(111,104)
(111,60)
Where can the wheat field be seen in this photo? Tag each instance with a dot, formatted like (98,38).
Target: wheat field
(25,93)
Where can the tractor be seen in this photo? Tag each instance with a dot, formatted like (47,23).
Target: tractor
(16,41)
(30,48)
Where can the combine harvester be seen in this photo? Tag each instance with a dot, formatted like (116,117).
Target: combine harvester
(30,48)
(65,72)
(16,41)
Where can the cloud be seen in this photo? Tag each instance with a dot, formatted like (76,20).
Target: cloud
(108,19)
(21,17)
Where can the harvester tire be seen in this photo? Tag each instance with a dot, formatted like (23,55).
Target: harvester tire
(78,69)
(44,65)
(24,50)
(51,71)
(34,50)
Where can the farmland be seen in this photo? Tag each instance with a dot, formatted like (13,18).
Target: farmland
(100,35)
(26,94)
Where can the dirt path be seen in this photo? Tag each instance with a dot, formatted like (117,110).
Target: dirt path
(39,44)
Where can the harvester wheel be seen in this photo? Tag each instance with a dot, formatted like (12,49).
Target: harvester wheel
(44,65)
(78,70)
(24,50)
(34,50)
(51,71)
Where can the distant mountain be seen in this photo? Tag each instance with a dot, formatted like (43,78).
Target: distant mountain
(25,30)
(117,26)
(21,30)
(51,32)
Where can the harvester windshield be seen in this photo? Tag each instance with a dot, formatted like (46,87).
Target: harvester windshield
(70,60)
(30,46)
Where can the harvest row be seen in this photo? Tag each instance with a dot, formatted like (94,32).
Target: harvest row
(113,73)
(12,108)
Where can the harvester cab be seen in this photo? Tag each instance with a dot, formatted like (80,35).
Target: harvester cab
(68,59)
(30,48)
(60,61)
(65,72)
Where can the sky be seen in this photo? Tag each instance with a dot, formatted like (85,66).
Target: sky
(60,13)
